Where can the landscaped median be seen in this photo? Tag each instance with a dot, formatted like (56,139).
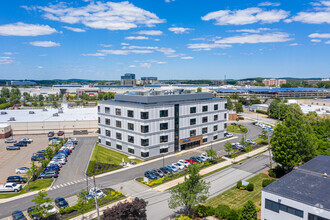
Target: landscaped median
(237,128)
(105,160)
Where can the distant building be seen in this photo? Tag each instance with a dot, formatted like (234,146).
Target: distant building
(128,79)
(219,82)
(273,82)
(246,82)
(21,83)
(148,80)
(304,193)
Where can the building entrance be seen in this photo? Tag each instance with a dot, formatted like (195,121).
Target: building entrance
(190,145)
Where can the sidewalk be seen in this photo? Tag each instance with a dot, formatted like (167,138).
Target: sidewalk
(207,170)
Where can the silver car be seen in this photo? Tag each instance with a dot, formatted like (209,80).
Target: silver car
(10,140)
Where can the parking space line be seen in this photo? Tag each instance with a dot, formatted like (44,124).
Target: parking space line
(64,184)
(71,183)
(61,185)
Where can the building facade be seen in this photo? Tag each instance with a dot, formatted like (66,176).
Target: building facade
(273,82)
(147,125)
(148,80)
(128,79)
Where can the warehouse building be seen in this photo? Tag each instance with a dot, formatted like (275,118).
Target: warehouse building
(147,124)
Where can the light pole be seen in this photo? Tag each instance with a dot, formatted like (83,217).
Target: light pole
(270,154)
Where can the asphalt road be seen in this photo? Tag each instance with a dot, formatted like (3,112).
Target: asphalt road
(118,179)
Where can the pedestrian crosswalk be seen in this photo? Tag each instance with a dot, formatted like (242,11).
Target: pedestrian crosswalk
(68,183)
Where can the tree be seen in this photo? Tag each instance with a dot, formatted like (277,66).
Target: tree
(30,173)
(230,105)
(191,192)
(82,201)
(5,92)
(228,147)
(264,134)
(136,210)
(41,98)
(211,153)
(55,104)
(41,200)
(249,211)
(234,96)
(49,153)
(199,89)
(238,107)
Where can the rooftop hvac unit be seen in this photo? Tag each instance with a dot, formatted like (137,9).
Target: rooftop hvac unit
(55,114)
(4,113)
(31,112)
(44,109)
(12,119)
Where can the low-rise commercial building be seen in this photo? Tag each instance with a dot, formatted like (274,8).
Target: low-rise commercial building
(147,124)
(274,82)
(128,79)
(304,193)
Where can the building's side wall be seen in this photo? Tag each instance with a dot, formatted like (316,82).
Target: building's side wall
(267,214)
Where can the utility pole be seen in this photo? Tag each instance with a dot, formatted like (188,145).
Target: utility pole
(270,154)
(163,160)
(96,202)
(86,182)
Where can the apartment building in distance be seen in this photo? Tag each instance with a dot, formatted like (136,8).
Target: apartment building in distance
(274,82)
(148,124)
(128,79)
(302,194)
(148,80)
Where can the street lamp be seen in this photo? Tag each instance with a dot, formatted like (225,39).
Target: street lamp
(270,155)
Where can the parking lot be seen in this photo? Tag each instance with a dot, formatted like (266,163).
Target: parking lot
(13,159)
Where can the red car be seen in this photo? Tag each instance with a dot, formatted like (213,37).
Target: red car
(60,133)
(190,161)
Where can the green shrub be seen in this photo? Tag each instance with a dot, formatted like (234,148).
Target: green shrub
(239,184)
(69,209)
(250,187)
(62,211)
(262,112)
(233,215)
(272,173)
(204,211)
(222,211)
(266,182)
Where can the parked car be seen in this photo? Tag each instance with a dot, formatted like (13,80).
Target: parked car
(158,173)
(41,152)
(251,141)
(53,167)
(60,133)
(28,140)
(190,161)
(54,138)
(10,140)
(150,175)
(228,135)
(172,167)
(37,157)
(50,209)
(59,160)
(48,174)
(203,158)
(185,163)
(33,216)
(18,215)
(51,134)
(205,155)
(21,144)
(61,203)
(55,163)
(22,170)
(11,147)
(178,165)
(16,179)
(96,193)
(10,187)
(73,140)
(165,171)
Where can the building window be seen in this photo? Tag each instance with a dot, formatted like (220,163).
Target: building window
(118,124)
(99,120)
(107,121)
(98,108)
(216,107)
(130,113)
(225,105)
(163,150)
(225,116)
(163,139)
(118,111)
(144,115)
(108,143)
(144,128)
(315,217)
(144,154)
(107,110)
(215,117)
(276,207)
(192,121)
(130,126)
(215,127)
(204,119)
(118,136)
(225,125)
(204,140)
(100,140)
(130,150)
(119,147)
(163,113)
(205,108)
(215,137)
(144,142)
(192,110)
(192,133)
(163,126)
(130,139)
(204,130)
(107,133)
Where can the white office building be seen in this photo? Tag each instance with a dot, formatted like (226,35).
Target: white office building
(147,124)
(302,194)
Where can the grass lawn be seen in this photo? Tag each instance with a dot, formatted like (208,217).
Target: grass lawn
(234,129)
(261,141)
(236,198)
(105,155)
(34,186)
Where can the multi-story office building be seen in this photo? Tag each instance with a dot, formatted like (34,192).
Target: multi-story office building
(273,82)
(128,79)
(151,123)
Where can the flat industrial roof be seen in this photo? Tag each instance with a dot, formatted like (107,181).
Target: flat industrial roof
(308,184)
(69,114)
(270,90)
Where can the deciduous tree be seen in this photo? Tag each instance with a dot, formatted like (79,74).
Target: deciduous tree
(249,211)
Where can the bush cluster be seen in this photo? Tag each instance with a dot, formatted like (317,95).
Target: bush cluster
(266,182)
(250,187)
(277,172)
(262,112)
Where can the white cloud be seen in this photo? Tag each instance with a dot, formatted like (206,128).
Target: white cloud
(319,15)
(255,38)
(317,35)
(151,32)
(105,45)
(40,67)
(74,29)
(124,44)
(145,65)
(220,54)
(206,46)
(137,38)
(246,16)
(6,60)
(187,58)
(8,53)
(132,66)
(327,42)
(316,40)
(293,44)
(94,55)
(45,44)
(151,61)
(180,30)
(99,15)
(251,30)
(140,47)
(22,29)
(168,1)
(267,3)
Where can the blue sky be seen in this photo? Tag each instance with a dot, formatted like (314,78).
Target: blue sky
(171,39)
